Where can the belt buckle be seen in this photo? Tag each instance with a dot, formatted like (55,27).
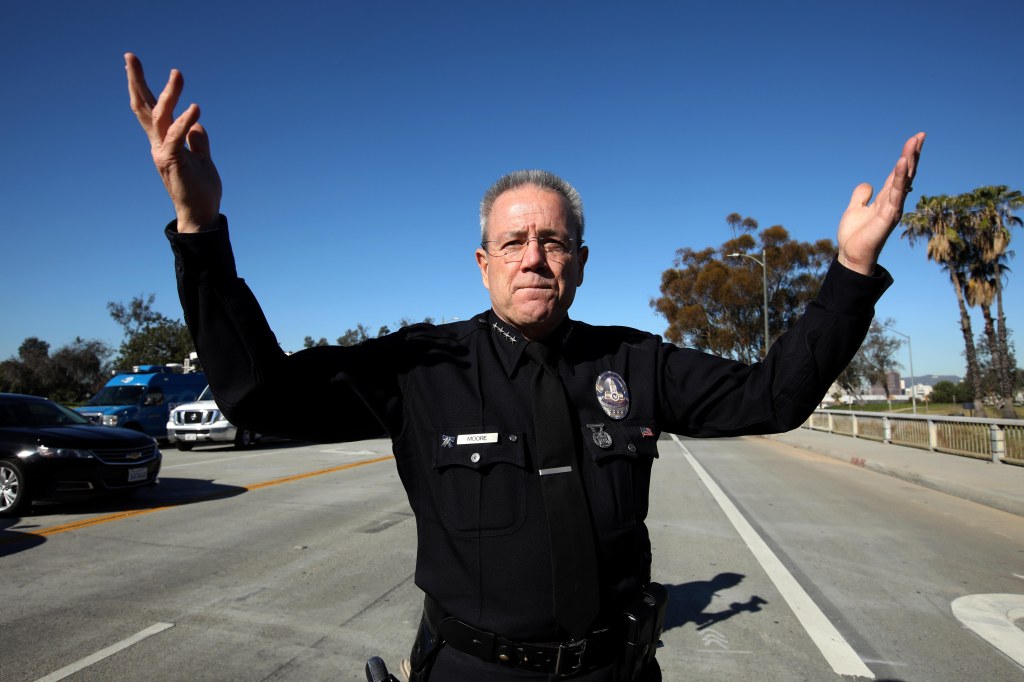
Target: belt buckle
(570,656)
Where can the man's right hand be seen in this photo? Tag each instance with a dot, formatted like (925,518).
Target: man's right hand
(188,172)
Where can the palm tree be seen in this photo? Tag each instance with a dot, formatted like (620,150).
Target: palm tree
(993,209)
(980,291)
(944,221)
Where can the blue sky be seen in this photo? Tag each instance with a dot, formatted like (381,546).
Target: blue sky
(355,140)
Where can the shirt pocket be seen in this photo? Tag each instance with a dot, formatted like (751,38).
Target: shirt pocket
(619,474)
(479,480)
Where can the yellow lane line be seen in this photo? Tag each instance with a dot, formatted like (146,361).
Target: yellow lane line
(105,518)
(296,477)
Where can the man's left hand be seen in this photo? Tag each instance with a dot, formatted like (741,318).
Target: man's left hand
(864,228)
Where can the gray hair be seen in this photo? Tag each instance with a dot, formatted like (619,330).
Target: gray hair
(537,178)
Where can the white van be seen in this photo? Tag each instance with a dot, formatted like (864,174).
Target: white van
(201,422)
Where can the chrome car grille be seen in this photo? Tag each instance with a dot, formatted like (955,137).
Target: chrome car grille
(126,455)
(193,417)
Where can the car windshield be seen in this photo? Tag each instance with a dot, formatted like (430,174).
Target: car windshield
(29,412)
(205,395)
(117,395)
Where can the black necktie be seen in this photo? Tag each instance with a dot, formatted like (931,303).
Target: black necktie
(573,558)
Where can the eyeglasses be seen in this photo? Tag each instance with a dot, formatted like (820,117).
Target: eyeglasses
(513,249)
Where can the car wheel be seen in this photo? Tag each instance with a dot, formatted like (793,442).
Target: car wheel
(183,446)
(243,439)
(14,493)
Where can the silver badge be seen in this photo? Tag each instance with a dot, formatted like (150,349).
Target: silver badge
(447,441)
(613,395)
(602,438)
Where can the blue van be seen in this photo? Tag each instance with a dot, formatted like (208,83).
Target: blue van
(143,398)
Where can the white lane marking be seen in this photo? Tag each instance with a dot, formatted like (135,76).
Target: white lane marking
(105,653)
(991,617)
(839,654)
(719,652)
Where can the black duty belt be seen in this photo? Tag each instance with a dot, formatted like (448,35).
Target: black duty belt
(559,658)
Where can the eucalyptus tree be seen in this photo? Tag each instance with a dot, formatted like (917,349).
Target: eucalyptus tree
(353,336)
(150,337)
(715,303)
(70,374)
(739,224)
(360,333)
(26,372)
(310,342)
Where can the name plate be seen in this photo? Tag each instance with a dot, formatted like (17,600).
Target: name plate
(474,438)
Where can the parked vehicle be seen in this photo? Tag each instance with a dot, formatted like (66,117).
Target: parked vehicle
(201,422)
(50,451)
(143,398)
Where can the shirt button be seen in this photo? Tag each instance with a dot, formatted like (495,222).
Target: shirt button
(631,447)
(475,457)
(513,437)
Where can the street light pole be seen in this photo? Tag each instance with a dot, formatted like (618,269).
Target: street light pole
(763,262)
(913,378)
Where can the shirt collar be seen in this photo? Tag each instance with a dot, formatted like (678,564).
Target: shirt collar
(509,342)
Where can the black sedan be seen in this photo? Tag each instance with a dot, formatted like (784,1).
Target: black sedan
(49,451)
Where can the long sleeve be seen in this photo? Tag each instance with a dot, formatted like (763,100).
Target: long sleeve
(705,396)
(308,395)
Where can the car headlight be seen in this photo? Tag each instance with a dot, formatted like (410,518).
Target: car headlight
(64,453)
(111,419)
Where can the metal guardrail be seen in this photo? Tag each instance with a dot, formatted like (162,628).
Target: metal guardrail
(999,440)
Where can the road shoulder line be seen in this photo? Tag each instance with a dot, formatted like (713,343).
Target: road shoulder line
(836,650)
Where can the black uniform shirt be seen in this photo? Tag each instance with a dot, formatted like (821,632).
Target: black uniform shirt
(455,400)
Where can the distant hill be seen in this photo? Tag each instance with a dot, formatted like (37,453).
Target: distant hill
(931,379)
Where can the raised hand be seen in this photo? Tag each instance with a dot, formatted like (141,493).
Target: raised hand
(180,147)
(864,228)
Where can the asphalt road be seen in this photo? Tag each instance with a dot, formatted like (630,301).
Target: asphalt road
(295,563)
(881,559)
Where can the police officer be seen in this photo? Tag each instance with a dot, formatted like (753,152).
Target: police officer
(524,439)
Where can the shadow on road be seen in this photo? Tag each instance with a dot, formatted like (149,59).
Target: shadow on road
(688,602)
(171,492)
(14,541)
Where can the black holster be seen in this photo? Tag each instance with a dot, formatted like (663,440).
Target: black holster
(427,643)
(643,621)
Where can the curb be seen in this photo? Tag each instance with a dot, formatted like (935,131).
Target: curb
(970,493)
